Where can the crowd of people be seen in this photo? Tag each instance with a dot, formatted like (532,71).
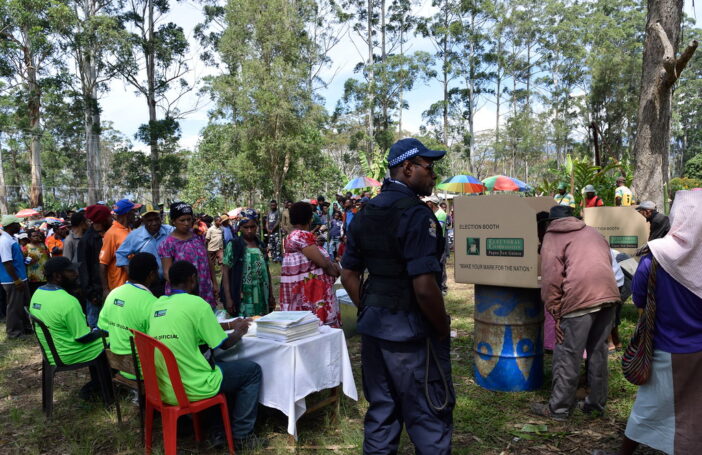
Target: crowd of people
(103,270)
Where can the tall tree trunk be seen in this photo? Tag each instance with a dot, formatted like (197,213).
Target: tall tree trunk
(36,197)
(444,70)
(369,146)
(471,94)
(660,71)
(92,146)
(91,111)
(151,100)
(402,54)
(3,190)
(498,100)
(383,57)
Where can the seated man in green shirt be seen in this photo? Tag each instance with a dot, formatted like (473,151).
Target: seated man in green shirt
(129,306)
(183,322)
(61,312)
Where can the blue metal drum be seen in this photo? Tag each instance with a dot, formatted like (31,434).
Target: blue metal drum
(509,349)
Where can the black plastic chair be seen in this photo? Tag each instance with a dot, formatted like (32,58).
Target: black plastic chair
(48,371)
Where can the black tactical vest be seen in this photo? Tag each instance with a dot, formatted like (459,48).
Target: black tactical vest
(375,232)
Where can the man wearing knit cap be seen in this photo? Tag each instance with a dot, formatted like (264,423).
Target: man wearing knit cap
(111,275)
(88,258)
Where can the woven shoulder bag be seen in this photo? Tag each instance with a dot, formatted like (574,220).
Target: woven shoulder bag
(638,356)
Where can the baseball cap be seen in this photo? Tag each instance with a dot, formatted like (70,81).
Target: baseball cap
(9,219)
(646,205)
(589,189)
(124,206)
(405,149)
(562,186)
(434,199)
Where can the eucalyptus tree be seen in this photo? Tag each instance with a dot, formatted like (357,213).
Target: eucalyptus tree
(29,51)
(661,70)
(152,58)
(89,35)
(264,92)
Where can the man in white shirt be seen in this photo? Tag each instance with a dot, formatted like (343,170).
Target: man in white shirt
(13,276)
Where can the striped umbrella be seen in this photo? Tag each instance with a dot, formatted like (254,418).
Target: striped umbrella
(504,183)
(361,182)
(462,184)
(25,213)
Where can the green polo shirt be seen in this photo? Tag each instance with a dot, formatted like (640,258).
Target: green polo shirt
(63,315)
(126,307)
(183,322)
(442,218)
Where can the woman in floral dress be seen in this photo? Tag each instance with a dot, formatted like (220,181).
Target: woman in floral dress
(307,274)
(246,280)
(38,254)
(184,245)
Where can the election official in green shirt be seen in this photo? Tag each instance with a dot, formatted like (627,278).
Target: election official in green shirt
(183,322)
(61,312)
(129,306)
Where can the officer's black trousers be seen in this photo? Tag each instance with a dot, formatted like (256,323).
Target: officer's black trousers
(393,383)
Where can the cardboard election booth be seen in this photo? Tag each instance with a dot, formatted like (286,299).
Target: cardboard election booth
(496,248)
(623,227)
(496,239)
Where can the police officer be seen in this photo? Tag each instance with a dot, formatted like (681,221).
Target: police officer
(402,319)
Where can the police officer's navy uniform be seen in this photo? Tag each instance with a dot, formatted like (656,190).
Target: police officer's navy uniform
(396,237)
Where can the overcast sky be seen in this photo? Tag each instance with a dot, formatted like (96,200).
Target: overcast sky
(127,111)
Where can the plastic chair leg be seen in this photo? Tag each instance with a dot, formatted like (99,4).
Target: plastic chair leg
(49,384)
(196,427)
(119,409)
(105,381)
(170,433)
(227,427)
(44,372)
(141,416)
(148,427)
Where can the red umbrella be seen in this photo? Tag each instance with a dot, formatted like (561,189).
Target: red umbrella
(26,213)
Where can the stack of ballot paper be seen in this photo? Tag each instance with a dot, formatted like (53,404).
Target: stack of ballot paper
(287,325)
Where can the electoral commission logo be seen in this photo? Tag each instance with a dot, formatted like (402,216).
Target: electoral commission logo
(506,247)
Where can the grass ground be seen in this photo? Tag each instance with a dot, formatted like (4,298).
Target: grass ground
(485,422)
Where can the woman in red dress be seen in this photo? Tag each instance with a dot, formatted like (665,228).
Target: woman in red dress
(307,274)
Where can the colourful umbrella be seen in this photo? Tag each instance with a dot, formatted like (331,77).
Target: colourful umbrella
(462,184)
(26,213)
(504,183)
(361,182)
(53,220)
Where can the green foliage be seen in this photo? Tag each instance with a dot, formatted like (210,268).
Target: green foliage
(683,183)
(687,111)
(584,173)
(265,93)
(693,167)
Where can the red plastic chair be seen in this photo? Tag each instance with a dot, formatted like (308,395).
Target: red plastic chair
(146,347)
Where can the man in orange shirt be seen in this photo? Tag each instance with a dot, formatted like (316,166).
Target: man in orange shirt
(54,243)
(111,275)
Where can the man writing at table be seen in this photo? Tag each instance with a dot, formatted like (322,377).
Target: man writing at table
(183,322)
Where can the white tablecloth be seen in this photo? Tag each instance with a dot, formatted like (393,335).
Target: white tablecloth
(291,371)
